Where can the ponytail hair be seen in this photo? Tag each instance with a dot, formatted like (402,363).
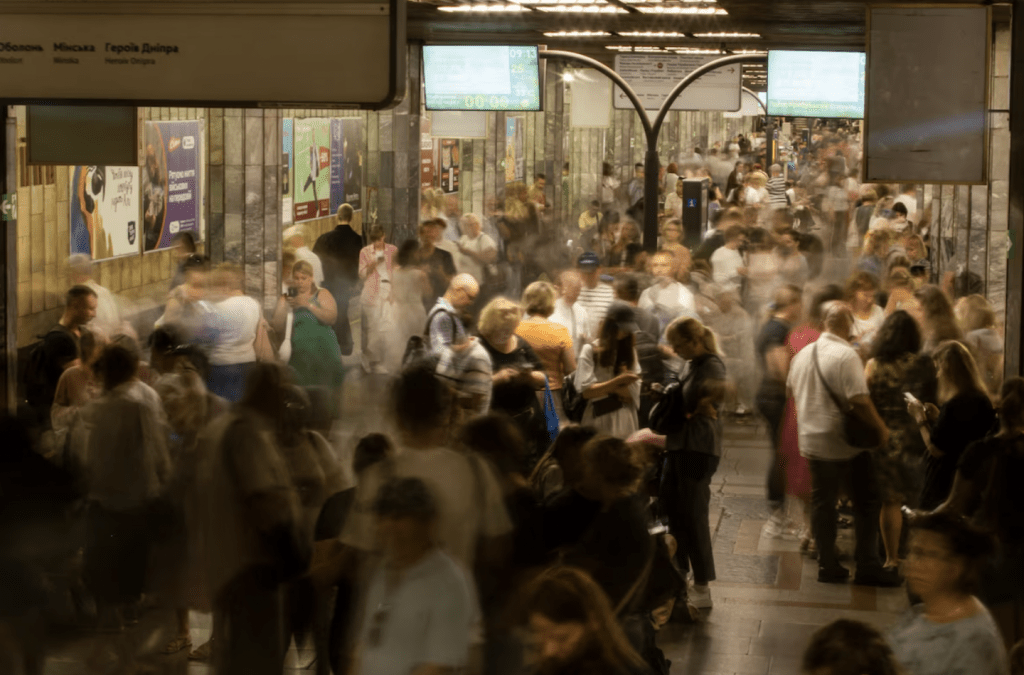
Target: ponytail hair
(692,330)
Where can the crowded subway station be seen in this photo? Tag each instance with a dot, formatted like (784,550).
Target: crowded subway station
(606,337)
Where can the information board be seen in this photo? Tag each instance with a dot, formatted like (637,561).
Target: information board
(207,53)
(816,84)
(654,76)
(481,77)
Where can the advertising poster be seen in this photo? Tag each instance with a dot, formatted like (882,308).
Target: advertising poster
(312,187)
(426,156)
(337,165)
(352,152)
(287,166)
(450,165)
(171,199)
(515,155)
(104,211)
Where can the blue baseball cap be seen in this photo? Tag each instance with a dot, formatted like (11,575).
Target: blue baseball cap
(588,260)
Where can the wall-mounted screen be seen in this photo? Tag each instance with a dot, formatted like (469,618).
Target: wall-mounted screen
(816,84)
(481,77)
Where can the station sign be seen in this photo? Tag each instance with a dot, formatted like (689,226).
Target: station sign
(344,53)
(654,76)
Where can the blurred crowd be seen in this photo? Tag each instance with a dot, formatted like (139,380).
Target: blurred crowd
(550,399)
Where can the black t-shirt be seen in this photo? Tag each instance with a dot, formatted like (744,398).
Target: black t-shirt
(567,516)
(60,347)
(515,396)
(338,251)
(995,466)
(962,420)
(440,268)
(773,334)
(615,548)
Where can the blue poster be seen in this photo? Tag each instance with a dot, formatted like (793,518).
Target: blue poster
(337,165)
(171,192)
(287,164)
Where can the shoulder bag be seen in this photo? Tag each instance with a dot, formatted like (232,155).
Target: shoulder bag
(856,432)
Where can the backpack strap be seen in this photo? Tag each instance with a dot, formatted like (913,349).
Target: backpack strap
(430,319)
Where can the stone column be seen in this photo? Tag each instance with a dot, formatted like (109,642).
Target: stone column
(9,254)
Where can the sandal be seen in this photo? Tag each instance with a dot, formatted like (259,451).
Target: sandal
(177,644)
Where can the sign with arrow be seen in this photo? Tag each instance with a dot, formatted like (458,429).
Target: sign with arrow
(654,76)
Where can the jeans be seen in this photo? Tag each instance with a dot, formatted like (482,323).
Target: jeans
(772,407)
(862,486)
(228,382)
(685,496)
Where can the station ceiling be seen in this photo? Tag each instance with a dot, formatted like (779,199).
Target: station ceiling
(602,28)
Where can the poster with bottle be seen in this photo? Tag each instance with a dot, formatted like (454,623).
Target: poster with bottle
(287,168)
(450,165)
(312,187)
(104,211)
(171,196)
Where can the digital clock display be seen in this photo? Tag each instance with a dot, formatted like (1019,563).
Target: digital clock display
(481,78)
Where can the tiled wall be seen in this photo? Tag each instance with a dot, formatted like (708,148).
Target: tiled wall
(44,242)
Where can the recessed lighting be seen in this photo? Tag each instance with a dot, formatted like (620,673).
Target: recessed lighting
(481,8)
(651,34)
(692,50)
(727,35)
(718,11)
(577,33)
(582,9)
(758,52)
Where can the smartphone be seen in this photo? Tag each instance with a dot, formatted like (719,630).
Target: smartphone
(293,292)
(910,397)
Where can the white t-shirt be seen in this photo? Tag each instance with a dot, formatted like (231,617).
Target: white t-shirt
(724,263)
(234,321)
(108,312)
(575,320)
(819,421)
(468,265)
(674,205)
(456,487)
(864,329)
(667,301)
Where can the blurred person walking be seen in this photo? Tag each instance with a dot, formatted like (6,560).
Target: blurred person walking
(376,269)
(608,375)
(338,250)
(551,341)
(232,326)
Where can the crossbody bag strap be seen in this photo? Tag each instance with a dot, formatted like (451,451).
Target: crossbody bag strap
(821,376)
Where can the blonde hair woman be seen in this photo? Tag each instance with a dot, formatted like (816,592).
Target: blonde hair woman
(551,341)
(235,322)
(518,374)
(693,453)
(977,320)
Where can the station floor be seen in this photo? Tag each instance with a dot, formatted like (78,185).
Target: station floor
(767,600)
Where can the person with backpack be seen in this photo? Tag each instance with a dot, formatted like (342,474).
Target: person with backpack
(57,351)
(444,325)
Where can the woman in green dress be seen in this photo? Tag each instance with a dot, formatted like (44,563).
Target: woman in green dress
(316,357)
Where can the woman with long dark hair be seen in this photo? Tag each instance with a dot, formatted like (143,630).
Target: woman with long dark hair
(693,453)
(574,629)
(896,367)
(938,322)
(964,414)
(608,375)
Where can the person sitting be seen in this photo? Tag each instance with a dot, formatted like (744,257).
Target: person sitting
(847,647)
(420,606)
(950,632)
(573,625)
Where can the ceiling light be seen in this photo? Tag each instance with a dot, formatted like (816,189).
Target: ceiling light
(640,49)
(691,50)
(758,52)
(727,35)
(581,9)
(577,34)
(481,8)
(651,34)
(683,10)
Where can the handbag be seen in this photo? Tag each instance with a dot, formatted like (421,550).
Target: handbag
(550,414)
(856,432)
(573,402)
(668,416)
(262,345)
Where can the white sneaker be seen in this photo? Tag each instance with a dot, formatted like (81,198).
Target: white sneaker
(700,596)
(773,529)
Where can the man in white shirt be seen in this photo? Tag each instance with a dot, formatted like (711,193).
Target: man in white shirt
(666,298)
(728,268)
(476,249)
(295,237)
(832,365)
(568,312)
(108,320)
(595,296)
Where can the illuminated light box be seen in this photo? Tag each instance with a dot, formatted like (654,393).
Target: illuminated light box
(816,84)
(481,78)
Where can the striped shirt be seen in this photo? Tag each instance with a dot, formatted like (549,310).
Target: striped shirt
(596,301)
(777,192)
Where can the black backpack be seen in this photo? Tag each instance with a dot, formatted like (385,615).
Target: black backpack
(417,348)
(572,399)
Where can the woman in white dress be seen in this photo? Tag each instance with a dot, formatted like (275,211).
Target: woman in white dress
(376,267)
(409,288)
(608,375)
